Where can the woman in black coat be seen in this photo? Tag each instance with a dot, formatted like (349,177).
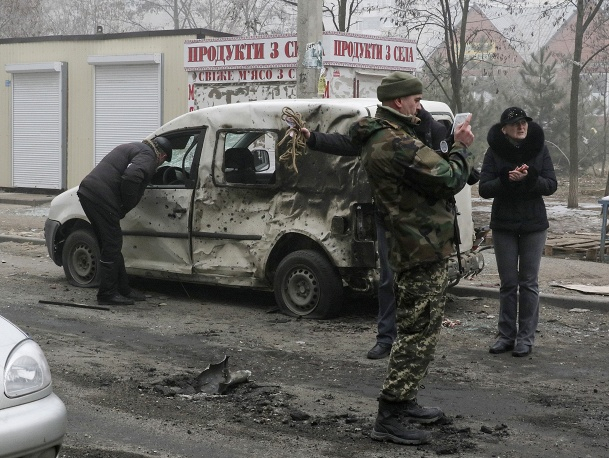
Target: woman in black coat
(516,172)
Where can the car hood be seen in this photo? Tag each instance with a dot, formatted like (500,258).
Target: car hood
(10,335)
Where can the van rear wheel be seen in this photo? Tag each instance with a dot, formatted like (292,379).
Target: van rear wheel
(307,285)
(80,259)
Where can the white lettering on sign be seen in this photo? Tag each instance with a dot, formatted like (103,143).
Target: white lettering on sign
(273,52)
(215,75)
(246,74)
(241,52)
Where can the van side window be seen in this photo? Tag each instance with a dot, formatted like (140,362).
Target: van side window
(246,158)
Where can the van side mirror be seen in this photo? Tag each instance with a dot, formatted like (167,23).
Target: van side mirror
(262,161)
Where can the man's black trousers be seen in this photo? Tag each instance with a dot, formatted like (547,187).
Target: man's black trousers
(107,228)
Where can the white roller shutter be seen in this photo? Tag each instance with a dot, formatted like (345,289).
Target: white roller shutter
(128,102)
(38,125)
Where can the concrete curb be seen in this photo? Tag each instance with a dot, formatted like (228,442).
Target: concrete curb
(20,239)
(572,301)
(32,200)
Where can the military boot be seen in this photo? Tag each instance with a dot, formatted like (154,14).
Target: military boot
(411,410)
(387,427)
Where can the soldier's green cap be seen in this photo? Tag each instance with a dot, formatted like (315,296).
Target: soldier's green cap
(398,84)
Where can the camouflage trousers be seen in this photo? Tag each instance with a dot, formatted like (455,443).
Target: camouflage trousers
(420,299)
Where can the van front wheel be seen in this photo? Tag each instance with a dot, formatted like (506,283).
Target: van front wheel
(307,285)
(80,258)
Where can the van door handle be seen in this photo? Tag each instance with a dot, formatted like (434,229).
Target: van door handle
(177,211)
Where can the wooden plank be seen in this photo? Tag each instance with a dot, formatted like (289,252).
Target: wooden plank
(571,239)
(583,245)
(568,242)
(574,244)
(580,243)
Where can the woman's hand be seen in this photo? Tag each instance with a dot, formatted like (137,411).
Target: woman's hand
(519,173)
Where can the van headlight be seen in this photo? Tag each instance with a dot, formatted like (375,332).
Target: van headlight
(26,371)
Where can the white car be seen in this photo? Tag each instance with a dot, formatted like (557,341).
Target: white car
(32,418)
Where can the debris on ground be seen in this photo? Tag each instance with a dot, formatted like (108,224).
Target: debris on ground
(217,378)
(450,323)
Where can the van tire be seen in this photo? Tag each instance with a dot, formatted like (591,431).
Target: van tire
(307,285)
(80,259)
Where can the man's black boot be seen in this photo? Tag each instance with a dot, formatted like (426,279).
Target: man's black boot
(134,295)
(107,293)
(114,299)
(123,283)
(387,427)
(379,351)
(411,410)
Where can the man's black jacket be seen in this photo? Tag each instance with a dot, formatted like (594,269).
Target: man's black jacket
(118,182)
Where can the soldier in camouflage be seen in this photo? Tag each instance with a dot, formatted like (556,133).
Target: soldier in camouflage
(413,188)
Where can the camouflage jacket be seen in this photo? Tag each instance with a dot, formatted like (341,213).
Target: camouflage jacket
(413,186)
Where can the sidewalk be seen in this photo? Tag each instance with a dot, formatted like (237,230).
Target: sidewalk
(19,200)
(554,269)
(25,198)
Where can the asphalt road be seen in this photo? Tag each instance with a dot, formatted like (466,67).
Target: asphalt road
(126,374)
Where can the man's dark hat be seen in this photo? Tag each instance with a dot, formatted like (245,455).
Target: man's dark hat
(512,115)
(164,145)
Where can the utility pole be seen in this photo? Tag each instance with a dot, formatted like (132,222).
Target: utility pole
(310,32)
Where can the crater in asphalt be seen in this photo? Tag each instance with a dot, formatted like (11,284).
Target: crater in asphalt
(273,407)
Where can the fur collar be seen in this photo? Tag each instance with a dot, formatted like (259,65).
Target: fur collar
(529,148)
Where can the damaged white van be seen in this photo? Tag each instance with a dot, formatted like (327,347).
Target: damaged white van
(229,210)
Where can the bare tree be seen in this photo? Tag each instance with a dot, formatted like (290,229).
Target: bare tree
(81,17)
(191,15)
(241,17)
(448,22)
(445,22)
(182,13)
(21,19)
(344,13)
(587,20)
(258,17)
(177,10)
(458,38)
(76,17)
(585,31)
